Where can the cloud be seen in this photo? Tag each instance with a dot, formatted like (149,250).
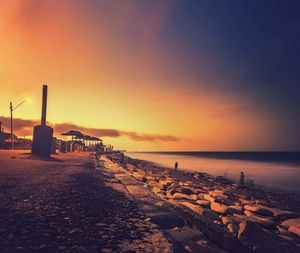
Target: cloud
(25,127)
(149,137)
(20,126)
(64,127)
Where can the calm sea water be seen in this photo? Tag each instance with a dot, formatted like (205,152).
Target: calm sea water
(275,169)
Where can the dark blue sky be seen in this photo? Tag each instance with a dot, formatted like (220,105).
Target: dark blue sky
(260,40)
(251,47)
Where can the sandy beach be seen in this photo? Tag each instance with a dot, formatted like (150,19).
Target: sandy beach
(63,205)
(78,202)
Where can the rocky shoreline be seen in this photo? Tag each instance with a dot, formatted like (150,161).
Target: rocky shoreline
(261,219)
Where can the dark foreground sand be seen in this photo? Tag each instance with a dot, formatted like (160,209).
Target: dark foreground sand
(74,203)
(62,205)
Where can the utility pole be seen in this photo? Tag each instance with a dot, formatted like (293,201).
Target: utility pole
(11,126)
(11,108)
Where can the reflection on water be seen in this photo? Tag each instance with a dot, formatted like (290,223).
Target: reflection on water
(279,175)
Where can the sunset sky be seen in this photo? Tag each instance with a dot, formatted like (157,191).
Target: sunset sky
(156,75)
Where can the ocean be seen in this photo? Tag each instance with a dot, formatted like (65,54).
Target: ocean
(275,169)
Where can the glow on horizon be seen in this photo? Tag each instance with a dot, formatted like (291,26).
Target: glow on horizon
(98,77)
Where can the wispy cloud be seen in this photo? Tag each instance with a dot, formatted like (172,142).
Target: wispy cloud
(149,137)
(25,127)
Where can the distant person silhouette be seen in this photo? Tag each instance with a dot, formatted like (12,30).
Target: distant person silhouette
(242,179)
(176,165)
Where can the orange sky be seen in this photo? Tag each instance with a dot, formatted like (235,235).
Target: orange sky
(100,77)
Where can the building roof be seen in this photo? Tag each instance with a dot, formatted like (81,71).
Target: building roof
(5,137)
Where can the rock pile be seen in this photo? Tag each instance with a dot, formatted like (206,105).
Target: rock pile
(262,223)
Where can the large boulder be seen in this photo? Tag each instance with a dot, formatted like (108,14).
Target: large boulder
(156,190)
(263,241)
(200,210)
(233,228)
(262,220)
(216,233)
(203,202)
(266,222)
(170,193)
(166,183)
(156,184)
(223,209)
(174,185)
(130,167)
(291,222)
(229,219)
(218,193)
(150,178)
(293,226)
(259,209)
(179,195)
(218,196)
(283,231)
(209,198)
(294,230)
(231,224)
(238,208)
(245,201)
(284,214)
(139,176)
(187,190)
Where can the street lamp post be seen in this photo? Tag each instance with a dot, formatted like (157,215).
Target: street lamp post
(11,122)
(11,125)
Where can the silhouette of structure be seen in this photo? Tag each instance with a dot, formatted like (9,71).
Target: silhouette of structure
(79,142)
(12,108)
(42,134)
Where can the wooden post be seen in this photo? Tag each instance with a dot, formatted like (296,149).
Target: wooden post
(11,126)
